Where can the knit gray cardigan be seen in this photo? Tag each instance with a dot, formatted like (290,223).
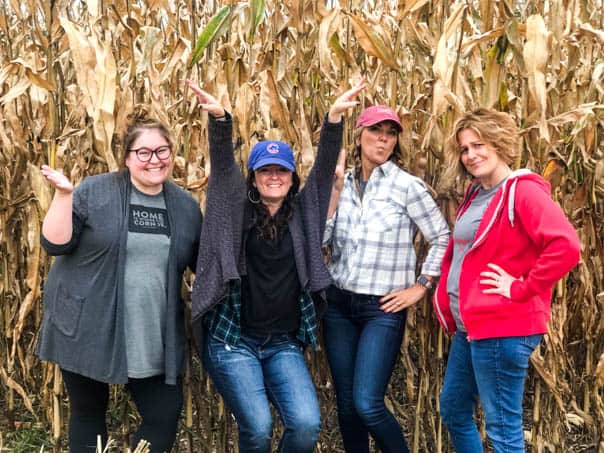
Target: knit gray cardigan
(221,258)
(83,324)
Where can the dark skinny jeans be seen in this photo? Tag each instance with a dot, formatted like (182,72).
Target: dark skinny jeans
(362,344)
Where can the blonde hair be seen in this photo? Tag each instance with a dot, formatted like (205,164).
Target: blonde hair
(497,129)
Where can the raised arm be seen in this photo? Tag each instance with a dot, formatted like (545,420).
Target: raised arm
(343,103)
(338,184)
(220,131)
(330,144)
(207,102)
(57,227)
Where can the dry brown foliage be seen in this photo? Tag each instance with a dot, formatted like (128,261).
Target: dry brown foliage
(70,71)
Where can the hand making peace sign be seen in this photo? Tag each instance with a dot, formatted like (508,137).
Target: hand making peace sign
(207,101)
(345,101)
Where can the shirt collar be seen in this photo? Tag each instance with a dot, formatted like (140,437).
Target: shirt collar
(387,168)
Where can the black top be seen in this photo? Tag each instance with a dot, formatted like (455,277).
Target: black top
(270,292)
(221,259)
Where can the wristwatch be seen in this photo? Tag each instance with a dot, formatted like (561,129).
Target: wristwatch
(425,282)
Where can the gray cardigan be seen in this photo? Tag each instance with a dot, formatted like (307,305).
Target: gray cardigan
(83,324)
(221,258)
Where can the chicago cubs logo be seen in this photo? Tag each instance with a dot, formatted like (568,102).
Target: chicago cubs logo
(272,148)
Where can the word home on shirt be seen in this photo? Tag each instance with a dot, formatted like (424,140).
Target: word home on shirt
(145,219)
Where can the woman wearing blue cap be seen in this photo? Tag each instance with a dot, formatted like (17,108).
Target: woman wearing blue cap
(376,210)
(260,275)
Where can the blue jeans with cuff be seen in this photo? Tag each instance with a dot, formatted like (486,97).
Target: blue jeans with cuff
(493,369)
(362,344)
(262,369)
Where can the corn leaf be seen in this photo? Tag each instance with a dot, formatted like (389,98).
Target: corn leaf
(258,8)
(370,40)
(214,29)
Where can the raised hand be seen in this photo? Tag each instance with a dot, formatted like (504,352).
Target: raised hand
(57,225)
(345,102)
(57,179)
(207,101)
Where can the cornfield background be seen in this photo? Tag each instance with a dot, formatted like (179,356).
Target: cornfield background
(71,71)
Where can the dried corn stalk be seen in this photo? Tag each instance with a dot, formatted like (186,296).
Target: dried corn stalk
(71,71)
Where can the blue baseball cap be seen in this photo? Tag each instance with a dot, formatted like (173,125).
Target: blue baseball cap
(271,153)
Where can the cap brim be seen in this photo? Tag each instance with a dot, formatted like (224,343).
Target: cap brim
(273,161)
(372,122)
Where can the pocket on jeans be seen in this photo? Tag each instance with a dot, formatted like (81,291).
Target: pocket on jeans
(67,312)
(532,341)
(296,345)
(224,354)
(519,349)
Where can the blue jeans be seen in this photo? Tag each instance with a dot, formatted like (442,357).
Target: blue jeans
(259,369)
(362,344)
(495,370)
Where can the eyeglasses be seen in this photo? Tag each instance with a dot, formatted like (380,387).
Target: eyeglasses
(145,154)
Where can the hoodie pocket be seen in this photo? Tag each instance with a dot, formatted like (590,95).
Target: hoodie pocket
(67,312)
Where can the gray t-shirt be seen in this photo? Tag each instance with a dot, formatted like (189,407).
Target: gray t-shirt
(463,238)
(145,286)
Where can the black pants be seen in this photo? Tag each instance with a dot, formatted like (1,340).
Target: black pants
(158,404)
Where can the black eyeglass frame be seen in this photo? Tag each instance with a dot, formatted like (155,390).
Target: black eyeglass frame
(156,151)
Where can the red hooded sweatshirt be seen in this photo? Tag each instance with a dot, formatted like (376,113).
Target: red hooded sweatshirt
(528,235)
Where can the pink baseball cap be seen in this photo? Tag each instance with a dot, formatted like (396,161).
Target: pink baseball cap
(376,114)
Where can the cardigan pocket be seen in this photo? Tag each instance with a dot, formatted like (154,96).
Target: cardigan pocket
(67,312)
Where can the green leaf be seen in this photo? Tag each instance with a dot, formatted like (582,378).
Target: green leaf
(502,47)
(214,29)
(503,96)
(257,7)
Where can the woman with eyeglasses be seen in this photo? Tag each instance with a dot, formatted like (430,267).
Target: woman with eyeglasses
(112,307)
(260,276)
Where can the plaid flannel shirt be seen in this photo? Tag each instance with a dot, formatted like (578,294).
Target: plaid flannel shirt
(224,320)
(372,237)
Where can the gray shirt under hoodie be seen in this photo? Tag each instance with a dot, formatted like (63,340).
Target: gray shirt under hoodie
(83,325)
(463,238)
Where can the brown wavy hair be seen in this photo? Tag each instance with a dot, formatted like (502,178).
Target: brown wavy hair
(497,129)
(139,120)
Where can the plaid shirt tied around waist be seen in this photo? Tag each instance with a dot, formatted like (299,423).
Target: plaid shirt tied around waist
(224,320)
